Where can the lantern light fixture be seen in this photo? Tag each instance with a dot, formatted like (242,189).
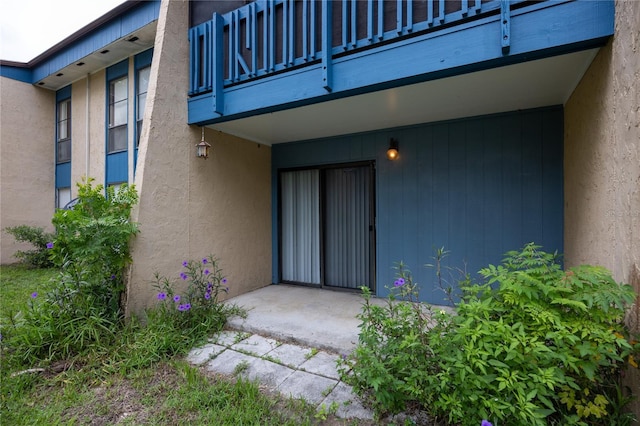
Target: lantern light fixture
(203,147)
(393,151)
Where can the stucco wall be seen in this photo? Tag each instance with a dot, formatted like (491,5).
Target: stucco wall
(190,207)
(26,161)
(602,159)
(91,165)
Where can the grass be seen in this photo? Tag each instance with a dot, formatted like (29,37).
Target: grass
(131,382)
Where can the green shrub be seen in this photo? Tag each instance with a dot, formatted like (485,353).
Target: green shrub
(91,248)
(531,343)
(36,236)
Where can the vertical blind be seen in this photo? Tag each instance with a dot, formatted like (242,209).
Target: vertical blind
(301,226)
(347,235)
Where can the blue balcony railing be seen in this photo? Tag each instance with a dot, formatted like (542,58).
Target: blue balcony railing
(276,54)
(269,36)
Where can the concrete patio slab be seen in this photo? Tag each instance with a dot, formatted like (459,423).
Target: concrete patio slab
(267,373)
(229,337)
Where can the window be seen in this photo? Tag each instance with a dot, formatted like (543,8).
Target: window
(63,196)
(63,150)
(143,85)
(118,115)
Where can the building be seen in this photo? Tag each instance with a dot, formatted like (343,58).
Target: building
(514,121)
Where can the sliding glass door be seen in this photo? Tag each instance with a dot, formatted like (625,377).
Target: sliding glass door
(327,226)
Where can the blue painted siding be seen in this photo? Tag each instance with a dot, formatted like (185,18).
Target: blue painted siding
(477,187)
(535,30)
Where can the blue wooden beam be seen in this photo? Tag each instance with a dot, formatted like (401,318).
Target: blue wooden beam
(505,25)
(217,34)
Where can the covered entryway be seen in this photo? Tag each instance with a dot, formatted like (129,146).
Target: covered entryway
(327,217)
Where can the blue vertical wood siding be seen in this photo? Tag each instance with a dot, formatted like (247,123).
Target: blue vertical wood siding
(478,187)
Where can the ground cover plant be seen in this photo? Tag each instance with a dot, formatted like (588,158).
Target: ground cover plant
(38,256)
(531,344)
(67,355)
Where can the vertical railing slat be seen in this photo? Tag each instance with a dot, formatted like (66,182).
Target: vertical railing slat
(441,11)
(370,20)
(208,58)
(285,28)
(354,39)
(327,67)
(344,24)
(409,16)
(464,7)
(272,36)
(380,19)
(292,32)
(217,47)
(312,30)
(305,28)
(478,6)
(399,17)
(430,12)
(254,39)
(236,45)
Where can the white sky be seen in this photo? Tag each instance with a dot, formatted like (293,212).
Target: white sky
(29,27)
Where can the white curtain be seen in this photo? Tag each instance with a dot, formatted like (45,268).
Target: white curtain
(301,226)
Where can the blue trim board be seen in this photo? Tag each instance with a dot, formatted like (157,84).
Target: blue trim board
(138,17)
(22,74)
(537,31)
(478,187)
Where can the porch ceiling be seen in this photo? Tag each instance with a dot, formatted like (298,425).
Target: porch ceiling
(543,82)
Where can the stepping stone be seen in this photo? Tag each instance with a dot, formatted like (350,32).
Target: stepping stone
(307,386)
(323,364)
(290,355)
(227,361)
(228,338)
(206,353)
(256,345)
(349,405)
(267,372)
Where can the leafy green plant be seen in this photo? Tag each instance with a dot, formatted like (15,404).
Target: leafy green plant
(529,344)
(38,257)
(91,247)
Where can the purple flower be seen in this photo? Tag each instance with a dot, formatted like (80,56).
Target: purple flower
(185,263)
(224,281)
(183,275)
(226,289)
(209,286)
(162,296)
(184,307)
(181,308)
(204,261)
(207,295)
(49,245)
(486,423)
(113,276)
(399,282)
(206,272)
(176,298)
(34,294)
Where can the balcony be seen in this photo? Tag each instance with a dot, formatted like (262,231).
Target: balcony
(275,55)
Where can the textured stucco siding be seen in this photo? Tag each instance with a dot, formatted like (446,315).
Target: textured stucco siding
(602,159)
(27,173)
(190,207)
(93,140)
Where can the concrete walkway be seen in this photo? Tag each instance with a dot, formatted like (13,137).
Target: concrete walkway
(290,342)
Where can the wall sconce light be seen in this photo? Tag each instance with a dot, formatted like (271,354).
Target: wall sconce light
(203,147)
(392,152)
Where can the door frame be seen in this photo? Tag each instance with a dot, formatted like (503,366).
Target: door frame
(371,164)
